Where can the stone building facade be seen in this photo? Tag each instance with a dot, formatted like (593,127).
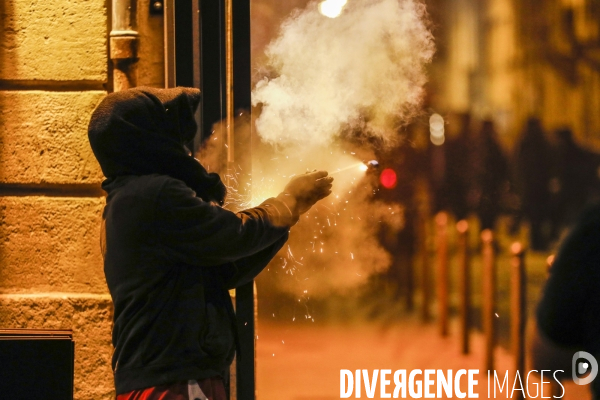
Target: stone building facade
(54,70)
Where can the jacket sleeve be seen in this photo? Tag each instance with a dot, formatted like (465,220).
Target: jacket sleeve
(248,268)
(195,232)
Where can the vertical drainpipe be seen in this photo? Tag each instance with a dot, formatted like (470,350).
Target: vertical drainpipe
(229,92)
(124,39)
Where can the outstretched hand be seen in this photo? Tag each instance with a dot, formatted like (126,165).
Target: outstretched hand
(303,191)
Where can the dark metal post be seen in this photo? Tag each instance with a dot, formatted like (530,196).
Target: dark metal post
(212,63)
(208,46)
(241,68)
(245,361)
(441,220)
(425,268)
(555,389)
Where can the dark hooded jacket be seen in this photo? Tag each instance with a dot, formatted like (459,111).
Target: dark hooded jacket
(170,252)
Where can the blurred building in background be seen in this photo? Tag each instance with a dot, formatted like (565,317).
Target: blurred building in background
(524,66)
(510,60)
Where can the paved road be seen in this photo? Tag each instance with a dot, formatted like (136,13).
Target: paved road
(303,362)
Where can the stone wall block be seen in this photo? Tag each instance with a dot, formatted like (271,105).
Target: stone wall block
(53,40)
(43,137)
(51,244)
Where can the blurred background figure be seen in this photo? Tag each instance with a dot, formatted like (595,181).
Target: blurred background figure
(407,160)
(533,175)
(477,172)
(489,184)
(459,169)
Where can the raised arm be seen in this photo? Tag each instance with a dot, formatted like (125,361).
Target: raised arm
(196,232)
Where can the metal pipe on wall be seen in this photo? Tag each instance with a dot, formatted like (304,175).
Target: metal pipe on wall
(229,88)
(124,39)
(169,45)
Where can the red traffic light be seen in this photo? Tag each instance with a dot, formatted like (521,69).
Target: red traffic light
(388,178)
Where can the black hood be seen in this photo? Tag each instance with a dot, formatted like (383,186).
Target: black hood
(143,131)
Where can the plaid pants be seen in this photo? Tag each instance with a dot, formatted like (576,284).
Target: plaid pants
(205,389)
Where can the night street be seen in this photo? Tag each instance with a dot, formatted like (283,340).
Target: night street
(303,362)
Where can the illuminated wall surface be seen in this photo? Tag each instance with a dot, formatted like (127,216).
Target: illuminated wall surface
(510,60)
(53,72)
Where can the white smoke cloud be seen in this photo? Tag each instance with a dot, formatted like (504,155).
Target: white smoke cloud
(363,70)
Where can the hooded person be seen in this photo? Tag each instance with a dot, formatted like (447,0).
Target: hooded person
(171,252)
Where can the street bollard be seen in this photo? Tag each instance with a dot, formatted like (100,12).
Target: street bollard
(441,220)
(489,294)
(555,389)
(549,261)
(411,240)
(518,307)
(425,270)
(464,283)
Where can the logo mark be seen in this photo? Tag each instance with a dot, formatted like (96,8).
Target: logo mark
(580,367)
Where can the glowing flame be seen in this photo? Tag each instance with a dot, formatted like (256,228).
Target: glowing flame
(362,167)
(332,8)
